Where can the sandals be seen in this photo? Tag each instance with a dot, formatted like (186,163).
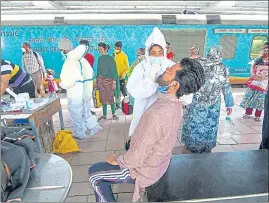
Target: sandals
(115,117)
(102,118)
(246,116)
(258,119)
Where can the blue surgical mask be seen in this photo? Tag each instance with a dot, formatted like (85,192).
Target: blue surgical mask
(163,89)
(63,55)
(156,60)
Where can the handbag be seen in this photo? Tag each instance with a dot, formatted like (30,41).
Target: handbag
(127,108)
(65,143)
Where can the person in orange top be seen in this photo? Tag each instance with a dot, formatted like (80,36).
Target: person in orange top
(170,54)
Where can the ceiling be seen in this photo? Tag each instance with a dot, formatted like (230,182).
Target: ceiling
(145,7)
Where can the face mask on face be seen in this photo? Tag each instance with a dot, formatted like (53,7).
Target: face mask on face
(23,50)
(164,89)
(156,60)
(63,55)
(118,51)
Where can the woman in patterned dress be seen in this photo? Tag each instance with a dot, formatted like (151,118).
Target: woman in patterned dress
(257,86)
(200,129)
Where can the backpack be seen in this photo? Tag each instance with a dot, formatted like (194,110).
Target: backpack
(36,56)
(5,181)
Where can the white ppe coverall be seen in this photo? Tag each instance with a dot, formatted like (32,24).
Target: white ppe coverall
(140,84)
(77,78)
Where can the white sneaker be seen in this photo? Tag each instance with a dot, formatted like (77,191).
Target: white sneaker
(95,130)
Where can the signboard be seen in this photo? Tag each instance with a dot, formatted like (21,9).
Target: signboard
(262,31)
(230,30)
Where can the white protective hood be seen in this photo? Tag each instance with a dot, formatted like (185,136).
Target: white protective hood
(76,68)
(156,37)
(77,53)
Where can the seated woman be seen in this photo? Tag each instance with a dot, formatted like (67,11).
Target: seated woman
(154,138)
(17,78)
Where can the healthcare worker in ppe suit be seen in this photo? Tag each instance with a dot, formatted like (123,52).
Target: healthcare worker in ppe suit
(77,78)
(142,83)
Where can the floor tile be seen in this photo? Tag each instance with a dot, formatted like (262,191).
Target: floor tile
(225,141)
(77,199)
(118,144)
(257,128)
(180,150)
(243,128)
(223,148)
(80,173)
(125,197)
(106,122)
(68,157)
(89,158)
(120,152)
(91,198)
(81,189)
(93,146)
(246,147)
(232,131)
(251,122)
(123,188)
(101,136)
(115,134)
(247,139)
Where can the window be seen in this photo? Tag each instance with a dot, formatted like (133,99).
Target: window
(256,46)
(182,40)
(228,43)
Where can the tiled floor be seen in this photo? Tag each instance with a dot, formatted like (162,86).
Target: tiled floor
(246,135)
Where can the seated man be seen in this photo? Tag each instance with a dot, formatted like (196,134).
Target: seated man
(154,138)
(14,76)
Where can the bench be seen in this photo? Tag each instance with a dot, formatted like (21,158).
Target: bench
(232,176)
(50,180)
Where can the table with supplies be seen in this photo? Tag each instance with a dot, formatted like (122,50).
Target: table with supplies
(38,118)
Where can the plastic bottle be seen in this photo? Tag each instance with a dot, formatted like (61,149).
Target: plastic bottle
(229,124)
(28,104)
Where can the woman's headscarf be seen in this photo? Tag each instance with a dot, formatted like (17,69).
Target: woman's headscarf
(194,50)
(156,37)
(215,54)
(65,44)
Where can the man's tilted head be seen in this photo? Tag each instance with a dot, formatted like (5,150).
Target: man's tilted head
(183,78)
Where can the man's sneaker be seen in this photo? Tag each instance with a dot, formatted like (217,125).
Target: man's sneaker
(246,116)
(115,117)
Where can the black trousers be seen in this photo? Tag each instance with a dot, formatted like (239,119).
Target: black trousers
(123,87)
(265,128)
(29,88)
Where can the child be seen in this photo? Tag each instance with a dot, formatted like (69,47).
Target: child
(52,85)
(257,87)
